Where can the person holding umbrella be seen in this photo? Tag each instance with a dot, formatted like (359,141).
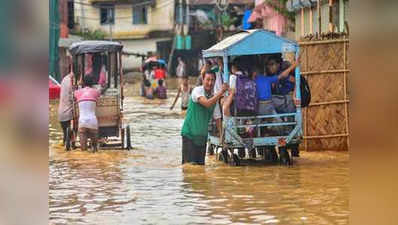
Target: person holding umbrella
(148,77)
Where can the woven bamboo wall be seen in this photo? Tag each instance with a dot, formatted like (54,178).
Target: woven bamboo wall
(324,65)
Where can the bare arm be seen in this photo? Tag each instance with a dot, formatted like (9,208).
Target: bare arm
(213,100)
(228,102)
(286,72)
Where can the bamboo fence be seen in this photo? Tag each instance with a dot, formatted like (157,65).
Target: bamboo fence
(325,66)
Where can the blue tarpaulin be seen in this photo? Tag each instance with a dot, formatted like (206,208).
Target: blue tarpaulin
(245,22)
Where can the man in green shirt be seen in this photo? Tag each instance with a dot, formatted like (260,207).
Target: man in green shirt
(200,110)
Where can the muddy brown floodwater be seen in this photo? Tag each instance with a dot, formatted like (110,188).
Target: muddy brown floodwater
(147,185)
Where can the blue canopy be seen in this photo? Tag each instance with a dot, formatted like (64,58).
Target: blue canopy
(250,42)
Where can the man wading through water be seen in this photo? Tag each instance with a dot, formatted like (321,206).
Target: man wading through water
(195,128)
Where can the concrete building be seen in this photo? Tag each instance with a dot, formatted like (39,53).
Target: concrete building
(138,24)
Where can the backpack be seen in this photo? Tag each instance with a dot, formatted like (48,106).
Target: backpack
(246,95)
(305,92)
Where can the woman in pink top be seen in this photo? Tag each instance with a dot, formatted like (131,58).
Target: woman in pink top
(88,124)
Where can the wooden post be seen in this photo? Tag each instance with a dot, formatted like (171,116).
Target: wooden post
(306,109)
(330,15)
(345,97)
(341,15)
(319,18)
(311,25)
(302,22)
(121,80)
(306,129)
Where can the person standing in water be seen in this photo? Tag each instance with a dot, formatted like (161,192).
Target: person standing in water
(200,111)
(184,91)
(88,124)
(181,69)
(65,107)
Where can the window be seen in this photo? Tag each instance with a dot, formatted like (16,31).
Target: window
(140,15)
(107,13)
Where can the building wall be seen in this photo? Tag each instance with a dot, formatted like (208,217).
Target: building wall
(138,46)
(160,17)
(63,18)
(324,19)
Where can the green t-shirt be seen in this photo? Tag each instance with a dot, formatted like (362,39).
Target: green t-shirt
(197,118)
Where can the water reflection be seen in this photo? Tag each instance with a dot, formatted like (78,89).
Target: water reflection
(271,194)
(147,185)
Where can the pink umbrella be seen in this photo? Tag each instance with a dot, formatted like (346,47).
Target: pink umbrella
(275,21)
(254,17)
(151,59)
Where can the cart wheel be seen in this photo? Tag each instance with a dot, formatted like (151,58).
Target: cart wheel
(235,160)
(219,155)
(224,155)
(67,139)
(295,151)
(252,153)
(261,151)
(128,138)
(241,152)
(273,156)
(210,149)
(284,157)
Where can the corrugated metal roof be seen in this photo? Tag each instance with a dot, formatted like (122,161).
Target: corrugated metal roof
(229,41)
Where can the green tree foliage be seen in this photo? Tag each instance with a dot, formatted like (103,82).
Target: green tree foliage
(280,7)
(227,20)
(92,35)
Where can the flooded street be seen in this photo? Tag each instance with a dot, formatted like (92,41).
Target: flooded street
(148,185)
